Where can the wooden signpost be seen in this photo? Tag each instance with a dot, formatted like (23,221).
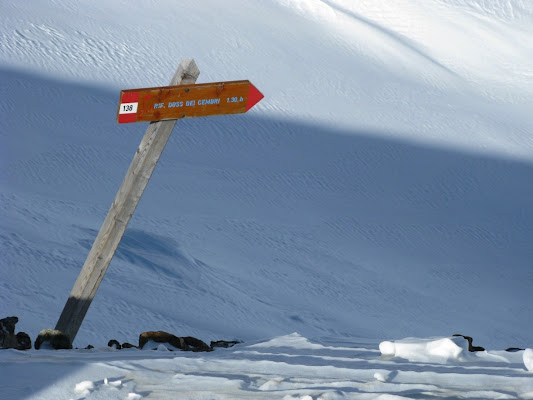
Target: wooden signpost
(186,101)
(164,105)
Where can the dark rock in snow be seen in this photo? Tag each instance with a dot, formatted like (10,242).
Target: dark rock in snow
(193,344)
(24,341)
(514,349)
(51,338)
(224,343)
(160,337)
(8,339)
(470,347)
(8,324)
(187,343)
(114,343)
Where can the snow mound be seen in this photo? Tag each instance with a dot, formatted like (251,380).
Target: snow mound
(447,349)
(528,359)
(84,388)
(294,340)
(380,377)
(105,389)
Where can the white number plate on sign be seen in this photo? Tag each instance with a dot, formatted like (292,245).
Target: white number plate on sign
(128,108)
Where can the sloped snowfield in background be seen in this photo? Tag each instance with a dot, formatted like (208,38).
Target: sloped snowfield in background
(381,190)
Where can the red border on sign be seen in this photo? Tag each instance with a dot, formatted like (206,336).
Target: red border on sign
(125,118)
(130,97)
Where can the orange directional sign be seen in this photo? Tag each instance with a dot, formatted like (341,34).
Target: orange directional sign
(186,101)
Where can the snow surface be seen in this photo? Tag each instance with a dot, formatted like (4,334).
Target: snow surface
(287,367)
(380,190)
(442,349)
(528,359)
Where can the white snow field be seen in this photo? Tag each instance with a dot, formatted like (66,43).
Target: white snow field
(380,191)
(288,367)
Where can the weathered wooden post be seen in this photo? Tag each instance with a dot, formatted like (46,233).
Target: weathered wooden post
(120,213)
(182,99)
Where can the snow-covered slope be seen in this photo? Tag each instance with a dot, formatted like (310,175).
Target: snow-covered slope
(381,189)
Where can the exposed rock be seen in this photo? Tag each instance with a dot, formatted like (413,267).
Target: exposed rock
(224,343)
(52,339)
(24,341)
(513,349)
(8,324)
(161,337)
(193,344)
(8,339)
(114,344)
(89,347)
(127,345)
(470,347)
(187,343)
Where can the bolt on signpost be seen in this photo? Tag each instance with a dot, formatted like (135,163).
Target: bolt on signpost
(162,106)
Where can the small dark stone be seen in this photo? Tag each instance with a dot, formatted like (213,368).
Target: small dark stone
(8,324)
(187,343)
(194,344)
(470,347)
(224,343)
(54,339)
(127,345)
(514,349)
(161,337)
(8,340)
(114,343)
(89,347)
(23,340)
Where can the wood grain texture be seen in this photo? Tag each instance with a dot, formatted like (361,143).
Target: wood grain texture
(120,213)
(185,101)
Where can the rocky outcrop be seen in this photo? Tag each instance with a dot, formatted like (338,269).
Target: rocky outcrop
(187,343)
(471,348)
(114,344)
(52,339)
(8,338)
(513,349)
(24,341)
(193,344)
(224,343)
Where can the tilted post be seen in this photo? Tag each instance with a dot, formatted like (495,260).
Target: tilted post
(120,213)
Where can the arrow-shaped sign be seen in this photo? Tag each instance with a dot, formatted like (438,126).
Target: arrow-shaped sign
(186,101)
